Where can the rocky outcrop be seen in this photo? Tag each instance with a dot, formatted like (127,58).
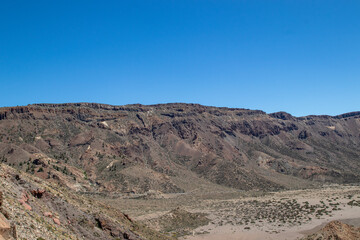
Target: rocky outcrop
(58,212)
(336,230)
(282,116)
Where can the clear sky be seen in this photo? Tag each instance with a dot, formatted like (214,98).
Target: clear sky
(299,56)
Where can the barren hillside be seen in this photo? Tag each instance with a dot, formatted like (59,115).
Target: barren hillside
(171,148)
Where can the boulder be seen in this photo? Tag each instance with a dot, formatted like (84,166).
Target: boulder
(56,221)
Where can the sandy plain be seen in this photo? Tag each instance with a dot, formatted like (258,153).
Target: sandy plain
(250,215)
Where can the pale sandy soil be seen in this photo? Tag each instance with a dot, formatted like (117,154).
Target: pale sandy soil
(265,230)
(252,215)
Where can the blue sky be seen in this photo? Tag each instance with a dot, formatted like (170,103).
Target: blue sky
(298,56)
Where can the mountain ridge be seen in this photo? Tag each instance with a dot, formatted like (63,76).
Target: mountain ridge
(120,147)
(121,107)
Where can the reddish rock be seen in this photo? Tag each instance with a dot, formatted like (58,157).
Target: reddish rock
(23,200)
(56,221)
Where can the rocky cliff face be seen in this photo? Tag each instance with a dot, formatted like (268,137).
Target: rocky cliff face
(137,148)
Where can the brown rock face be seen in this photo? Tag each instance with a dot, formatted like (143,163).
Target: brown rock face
(138,148)
(336,230)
